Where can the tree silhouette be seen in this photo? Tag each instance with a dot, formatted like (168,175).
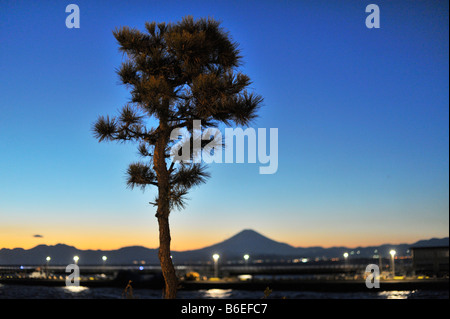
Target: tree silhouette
(176,73)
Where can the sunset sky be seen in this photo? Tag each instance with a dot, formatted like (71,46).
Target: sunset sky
(362,117)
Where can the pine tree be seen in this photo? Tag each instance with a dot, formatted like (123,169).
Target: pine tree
(176,73)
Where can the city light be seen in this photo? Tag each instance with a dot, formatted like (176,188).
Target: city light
(46,268)
(216,265)
(76,258)
(393,252)
(346,260)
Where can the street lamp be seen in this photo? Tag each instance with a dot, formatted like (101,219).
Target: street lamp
(346,262)
(393,252)
(104,258)
(46,268)
(216,265)
(345,258)
(76,258)
(246,257)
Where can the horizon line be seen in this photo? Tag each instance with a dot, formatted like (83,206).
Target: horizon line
(186,250)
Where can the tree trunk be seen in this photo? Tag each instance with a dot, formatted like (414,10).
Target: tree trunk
(162,214)
(170,277)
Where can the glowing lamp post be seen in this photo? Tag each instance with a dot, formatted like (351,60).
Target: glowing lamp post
(46,268)
(75,259)
(216,265)
(246,257)
(104,259)
(393,252)
(345,263)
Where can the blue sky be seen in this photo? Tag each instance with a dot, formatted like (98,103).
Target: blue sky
(362,118)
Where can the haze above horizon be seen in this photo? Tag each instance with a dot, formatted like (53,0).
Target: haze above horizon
(362,117)
(244,236)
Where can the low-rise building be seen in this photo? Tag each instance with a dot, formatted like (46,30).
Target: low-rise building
(430,261)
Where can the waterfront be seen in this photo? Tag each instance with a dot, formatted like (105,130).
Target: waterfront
(45,292)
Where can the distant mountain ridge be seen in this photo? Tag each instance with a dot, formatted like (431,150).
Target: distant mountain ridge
(245,242)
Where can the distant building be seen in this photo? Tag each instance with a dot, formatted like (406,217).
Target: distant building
(430,261)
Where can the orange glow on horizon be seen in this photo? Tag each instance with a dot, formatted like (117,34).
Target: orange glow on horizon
(189,237)
(13,238)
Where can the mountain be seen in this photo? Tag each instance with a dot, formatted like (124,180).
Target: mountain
(63,255)
(245,242)
(436,242)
